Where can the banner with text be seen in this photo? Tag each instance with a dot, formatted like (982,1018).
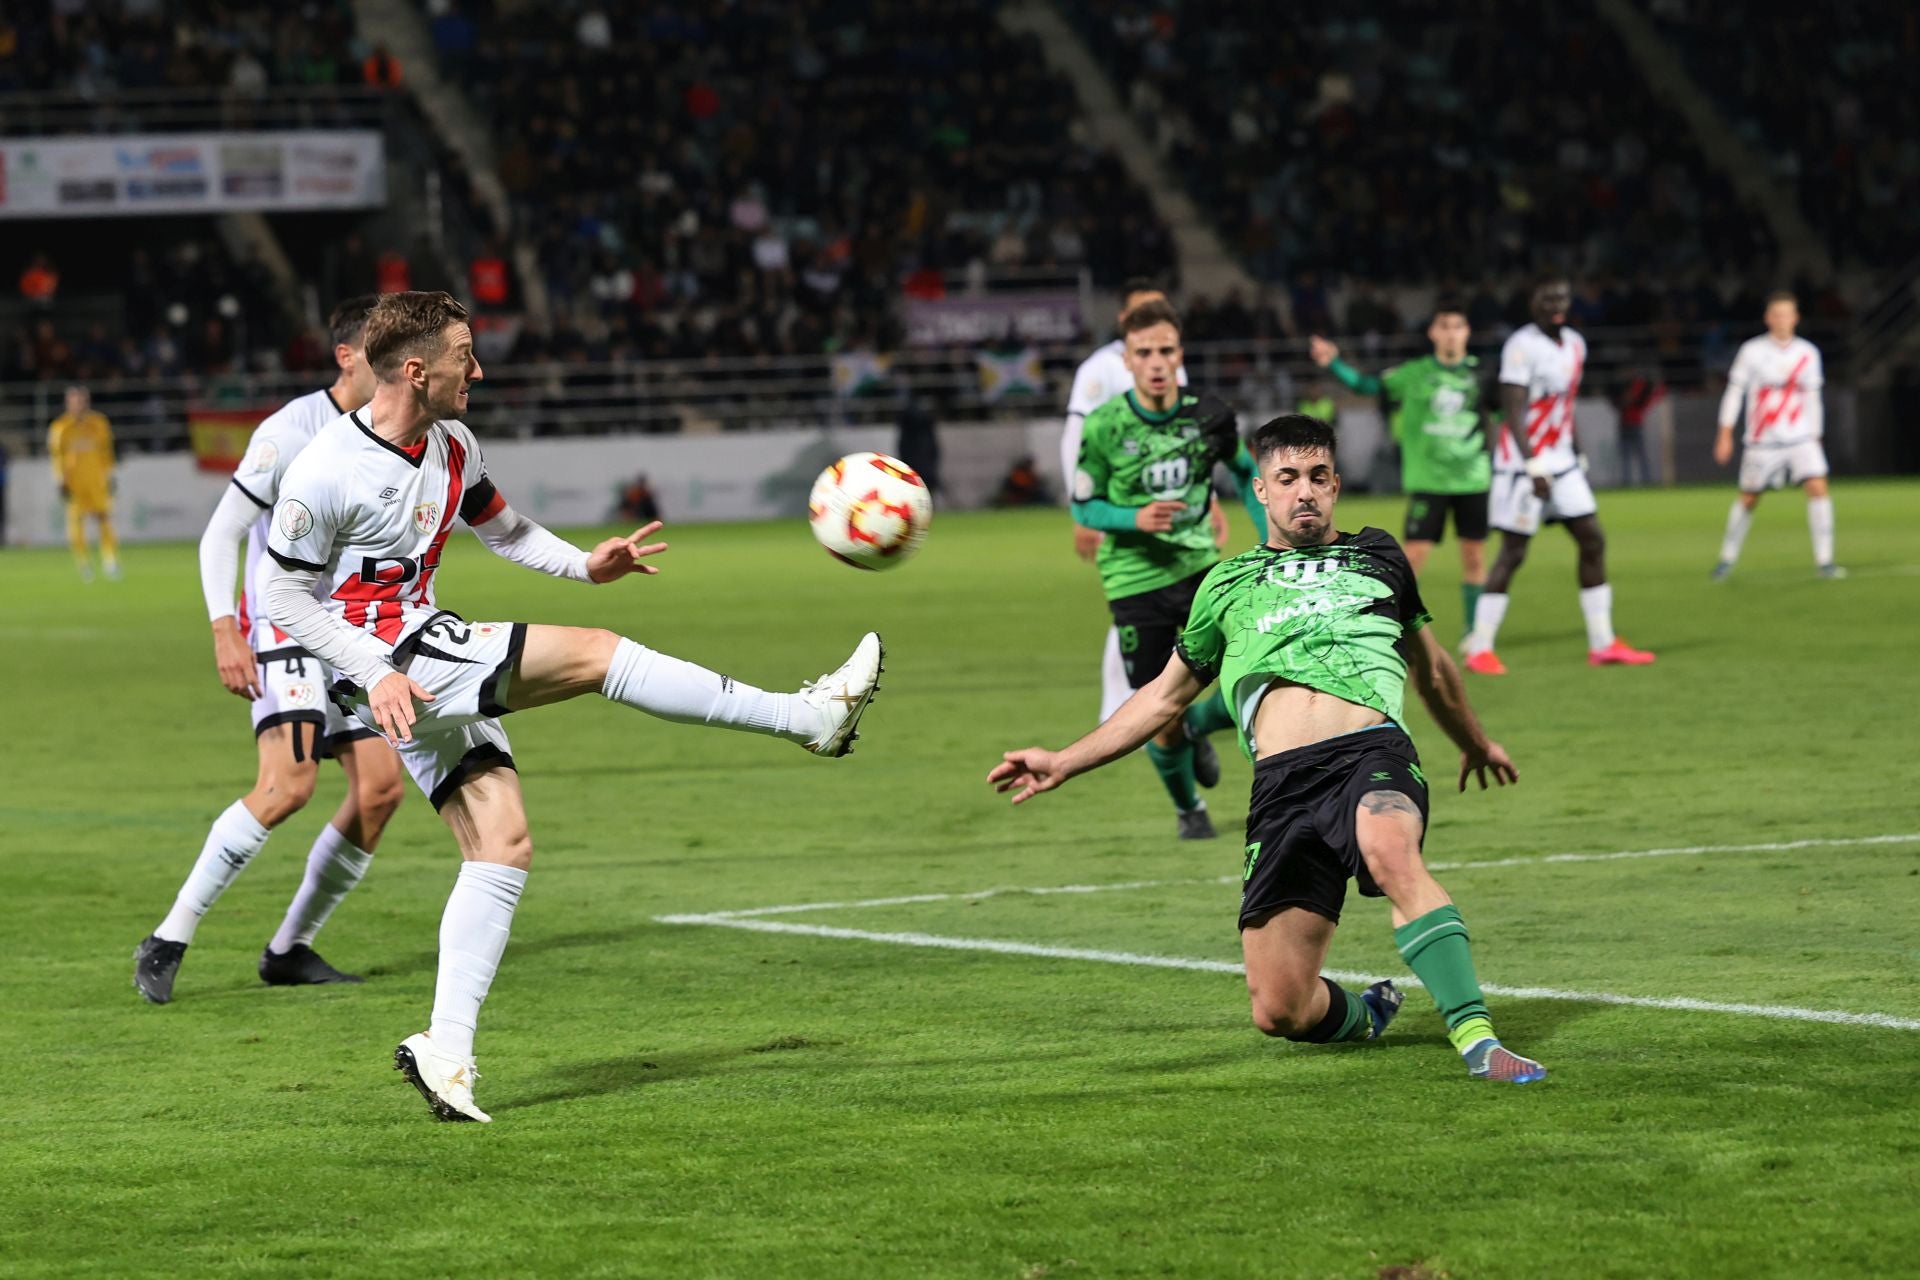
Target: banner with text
(133,175)
(991,318)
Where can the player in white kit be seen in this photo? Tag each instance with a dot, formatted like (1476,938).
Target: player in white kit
(294,724)
(1538,477)
(1776,379)
(364,512)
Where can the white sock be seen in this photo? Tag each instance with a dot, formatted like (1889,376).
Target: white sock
(334,866)
(235,837)
(1597,604)
(1488,613)
(1114,688)
(1820,525)
(1739,520)
(674,690)
(473,934)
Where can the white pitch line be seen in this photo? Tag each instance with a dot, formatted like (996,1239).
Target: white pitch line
(1778,1012)
(1677,851)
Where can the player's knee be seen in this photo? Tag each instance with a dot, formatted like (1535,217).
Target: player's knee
(281,792)
(592,652)
(509,848)
(1283,1010)
(378,796)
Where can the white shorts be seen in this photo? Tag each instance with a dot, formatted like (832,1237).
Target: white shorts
(293,690)
(1515,509)
(1772,466)
(466,667)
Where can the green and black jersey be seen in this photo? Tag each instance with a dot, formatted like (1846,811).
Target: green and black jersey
(1334,618)
(1438,415)
(1129,457)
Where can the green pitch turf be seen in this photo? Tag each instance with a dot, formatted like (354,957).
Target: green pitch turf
(694,1099)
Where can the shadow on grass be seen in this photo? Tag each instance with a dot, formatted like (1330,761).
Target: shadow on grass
(619,1075)
(428,961)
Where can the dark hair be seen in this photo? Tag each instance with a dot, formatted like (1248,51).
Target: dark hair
(1291,431)
(1449,304)
(1140,284)
(1783,295)
(1546,276)
(409,324)
(1149,314)
(349,319)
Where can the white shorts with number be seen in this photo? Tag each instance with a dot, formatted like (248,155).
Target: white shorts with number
(466,666)
(293,690)
(1515,509)
(1771,466)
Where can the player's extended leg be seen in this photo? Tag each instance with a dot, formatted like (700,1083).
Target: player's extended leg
(489,821)
(1820,526)
(336,863)
(1604,648)
(1473,576)
(1739,520)
(109,545)
(558,663)
(283,785)
(1430,934)
(77,539)
(1491,609)
(1289,996)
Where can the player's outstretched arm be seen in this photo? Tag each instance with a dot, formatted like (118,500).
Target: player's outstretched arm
(1031,770)
(527,542)
(1441,688)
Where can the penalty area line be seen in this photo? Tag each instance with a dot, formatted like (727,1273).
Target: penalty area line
(1777,1012)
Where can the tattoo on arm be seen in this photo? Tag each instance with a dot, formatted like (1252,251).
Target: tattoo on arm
(1385,802)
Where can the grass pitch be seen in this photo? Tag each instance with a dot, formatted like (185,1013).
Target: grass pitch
(704,1100)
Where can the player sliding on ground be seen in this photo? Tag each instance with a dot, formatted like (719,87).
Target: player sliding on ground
(365,510)
(1313,635)
(294,724)
(1539,477)
(1776,379)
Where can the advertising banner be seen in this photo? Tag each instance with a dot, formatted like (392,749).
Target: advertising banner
(131,175)
(992,319)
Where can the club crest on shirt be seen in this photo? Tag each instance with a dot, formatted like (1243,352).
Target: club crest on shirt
(426,517)
(296,522)
(300,694)
(261,458)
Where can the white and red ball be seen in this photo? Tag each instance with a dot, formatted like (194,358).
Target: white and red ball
(870,511)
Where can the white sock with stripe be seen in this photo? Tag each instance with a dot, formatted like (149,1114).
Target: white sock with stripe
(235,837)
(1820,525)
(334,866)
(1596,604)
(473,936)
(671,689)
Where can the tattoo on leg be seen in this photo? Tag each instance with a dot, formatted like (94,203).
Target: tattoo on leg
(1384,802)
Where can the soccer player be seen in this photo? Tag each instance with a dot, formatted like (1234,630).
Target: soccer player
(1100,377)
(1439,419)
(1144,479)
(1314,634)
(363,513)
(294,724)
(1538,477)
(80,443)
(1777,378)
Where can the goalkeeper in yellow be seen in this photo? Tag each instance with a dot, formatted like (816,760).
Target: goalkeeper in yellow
(80,442)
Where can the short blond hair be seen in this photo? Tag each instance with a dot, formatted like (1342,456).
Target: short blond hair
(403,325)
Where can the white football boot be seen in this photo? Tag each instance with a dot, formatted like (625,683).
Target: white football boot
(444,1081)
(842,695)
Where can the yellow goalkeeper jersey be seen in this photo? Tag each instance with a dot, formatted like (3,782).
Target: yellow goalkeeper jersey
(82,452)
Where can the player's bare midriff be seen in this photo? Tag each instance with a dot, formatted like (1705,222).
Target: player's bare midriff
(1293,715)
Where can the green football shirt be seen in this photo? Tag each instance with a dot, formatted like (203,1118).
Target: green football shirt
(1129,457)
(1437,419)
(1334,618)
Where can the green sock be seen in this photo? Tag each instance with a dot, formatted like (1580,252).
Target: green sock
(1175,767)
(1347,1018)
(1470,597)
(1435,948)
(1209,715)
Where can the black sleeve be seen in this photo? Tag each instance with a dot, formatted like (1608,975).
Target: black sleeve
(476,498)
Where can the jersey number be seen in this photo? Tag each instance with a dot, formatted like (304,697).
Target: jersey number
(1167,476)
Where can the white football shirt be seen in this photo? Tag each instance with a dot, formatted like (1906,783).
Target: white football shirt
(1778,385)
(371,518)
(1550,372)
(276,442)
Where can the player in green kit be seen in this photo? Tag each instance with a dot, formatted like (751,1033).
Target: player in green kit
(1315,635)
(1145,480)
(1439,417)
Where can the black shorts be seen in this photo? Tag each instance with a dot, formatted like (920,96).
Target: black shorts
(1301,847)
(1150,625)
(1427,516)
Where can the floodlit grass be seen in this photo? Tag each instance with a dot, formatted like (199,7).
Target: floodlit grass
(694,1100)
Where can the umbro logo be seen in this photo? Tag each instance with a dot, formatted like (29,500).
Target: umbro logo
(389,493)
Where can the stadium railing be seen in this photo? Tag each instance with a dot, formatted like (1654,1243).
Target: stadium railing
(194,110)
(571,397)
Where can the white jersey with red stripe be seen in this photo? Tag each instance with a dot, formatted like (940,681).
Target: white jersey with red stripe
(275,443)
(1778,385)
(371,519)
(1550,371)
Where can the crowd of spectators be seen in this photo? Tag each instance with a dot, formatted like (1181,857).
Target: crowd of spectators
(1822,92)
(1405,140)
(759,177)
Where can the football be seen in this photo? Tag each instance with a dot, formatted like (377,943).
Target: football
(870,511)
